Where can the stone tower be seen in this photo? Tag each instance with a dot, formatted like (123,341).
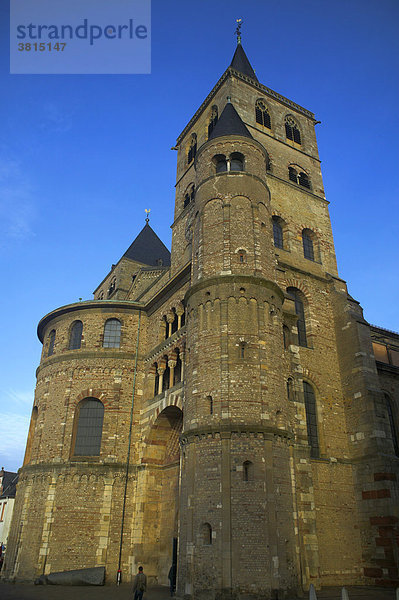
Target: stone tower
(225,407)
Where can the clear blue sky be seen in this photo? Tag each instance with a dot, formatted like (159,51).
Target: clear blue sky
(82,156)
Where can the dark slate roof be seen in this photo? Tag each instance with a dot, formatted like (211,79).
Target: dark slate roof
(241,63)
(229,123)
(7,489)
(148,249)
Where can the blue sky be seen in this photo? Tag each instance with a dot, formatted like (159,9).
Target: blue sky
(81,157)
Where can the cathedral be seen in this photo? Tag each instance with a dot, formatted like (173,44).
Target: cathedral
(224,407)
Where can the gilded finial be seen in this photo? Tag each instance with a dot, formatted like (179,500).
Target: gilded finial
(147,212)
(238,30)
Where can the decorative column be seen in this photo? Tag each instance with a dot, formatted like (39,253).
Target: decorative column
(161,371)
(171,364)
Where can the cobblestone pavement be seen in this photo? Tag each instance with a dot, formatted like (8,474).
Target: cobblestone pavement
(123,592)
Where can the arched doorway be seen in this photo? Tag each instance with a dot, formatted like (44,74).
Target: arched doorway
(161,505)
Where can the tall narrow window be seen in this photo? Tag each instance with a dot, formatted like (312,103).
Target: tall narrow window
(206,532)
(299,309)
(291,130)
(247,470)
(278,233)
(213,120)
(189,196)
(307,241)
(75,339)
(112,334)
(210,404)
(262,115)
(392,424)
(193,148)
(89,427)
(311,419)
(51,342)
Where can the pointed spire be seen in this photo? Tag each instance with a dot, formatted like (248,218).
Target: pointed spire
(229,123)
(241,63)
(148,249)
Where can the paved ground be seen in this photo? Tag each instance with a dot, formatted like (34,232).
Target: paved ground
(123,592)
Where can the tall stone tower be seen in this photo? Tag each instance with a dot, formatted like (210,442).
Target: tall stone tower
(224,408)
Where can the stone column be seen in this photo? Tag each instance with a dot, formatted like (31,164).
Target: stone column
(161,371)
(172,364)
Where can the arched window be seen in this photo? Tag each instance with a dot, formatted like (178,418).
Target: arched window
(236,161)
(220,163)
(189,195)
(101,295)
(183,319)
(307,241)
(206,533)
(303,180)
(242,256)
(278,232)
(299,309)
(75,338)
(242,349)
(112,333)
(192,151)
(51,342)
(262,115)
(248,471)
(311,419)
(392,424)
(89,428)
(213,119)
(291,130)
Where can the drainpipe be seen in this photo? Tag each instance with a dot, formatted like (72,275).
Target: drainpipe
(119,573)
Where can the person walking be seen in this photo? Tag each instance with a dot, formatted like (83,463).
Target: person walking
(139,584)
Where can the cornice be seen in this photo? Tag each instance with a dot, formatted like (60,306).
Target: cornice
(234,278)
(103,353)
(229,430)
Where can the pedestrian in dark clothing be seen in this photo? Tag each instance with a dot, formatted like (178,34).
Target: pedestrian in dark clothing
(172,579)
(139,584)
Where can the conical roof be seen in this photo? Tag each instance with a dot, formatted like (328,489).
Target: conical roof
(148,249)
(229,123)
(241,63)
